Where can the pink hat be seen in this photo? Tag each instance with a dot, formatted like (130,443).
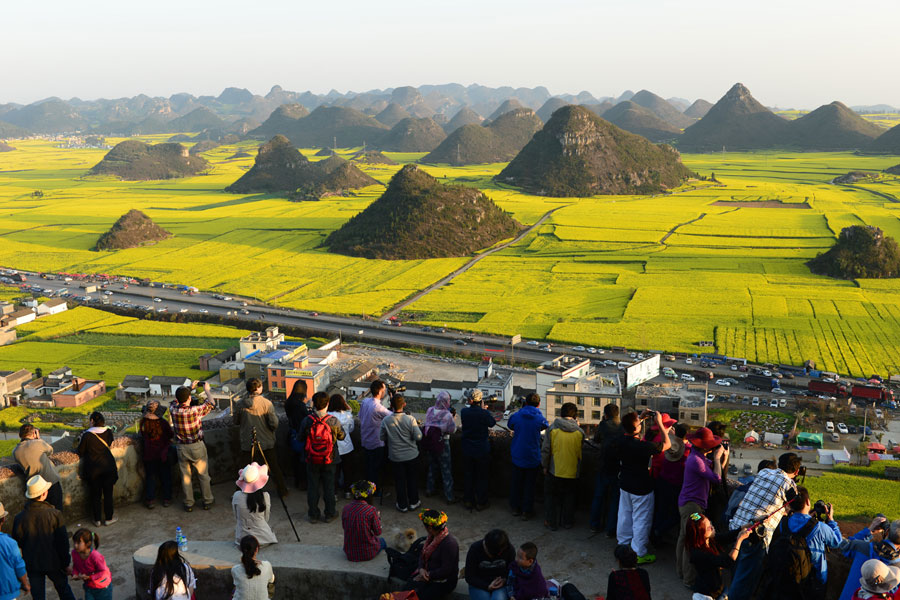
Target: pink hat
(704,439)
(253,477)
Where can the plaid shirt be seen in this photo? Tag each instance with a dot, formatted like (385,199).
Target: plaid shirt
(362,526)
(766,493)
(186,421)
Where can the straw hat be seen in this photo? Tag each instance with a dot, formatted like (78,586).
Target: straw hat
(37,485)
(877,577)
(253,477)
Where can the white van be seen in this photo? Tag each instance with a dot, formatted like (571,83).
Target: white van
(687,377)
(835,437)
(829,427)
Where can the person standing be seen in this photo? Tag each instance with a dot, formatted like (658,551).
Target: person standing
(371,413)
(33,455)
(402,434)
(702,469)
(340,410)
(98,469)
(89,566)
(296,408)
(561,459)
(42,537)
(157,435)
(256,413)
(605,506)
(439,424)
(188,427)
(636,496)
(476,450)
(320,433)
(13,576)
(527,423)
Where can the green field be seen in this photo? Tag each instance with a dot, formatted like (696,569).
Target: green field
(710,262)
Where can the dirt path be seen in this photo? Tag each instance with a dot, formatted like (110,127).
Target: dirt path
(398,307)
(671,231)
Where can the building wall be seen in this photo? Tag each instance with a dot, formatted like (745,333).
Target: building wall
(79,398)
(7,336)
(590,407)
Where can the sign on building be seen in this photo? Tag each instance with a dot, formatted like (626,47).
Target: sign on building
(642,371)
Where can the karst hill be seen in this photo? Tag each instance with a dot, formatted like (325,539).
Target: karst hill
(887,143)
(637,119)
(412,135)
(550,106)
(418,217)
(496,141)
(282,119)
(832,127)
(698,109)
(862,251)
(579,154)
(373,157)
(136,161)
(464,116)
(661,107)
(133,229)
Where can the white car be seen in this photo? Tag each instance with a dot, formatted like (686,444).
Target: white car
(506,414)
(734,367)
(204,311)
(578,348)
(779,391)
(710,398)
(592,350)
(687,377)
(755,401)
(183,310)
(633,355)
(533,343)
(724,382)
(688,361)
(879,414)
(842,428)
(640,356)
(773,403)
(157,299)
(782,402)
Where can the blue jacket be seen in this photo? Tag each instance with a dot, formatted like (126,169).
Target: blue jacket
(824,535)
(527,423)
(476,422)
(11,567)
(860,549)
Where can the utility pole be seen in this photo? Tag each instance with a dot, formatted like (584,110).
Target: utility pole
(334,145)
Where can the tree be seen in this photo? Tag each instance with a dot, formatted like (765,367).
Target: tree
(38,372)
(4,427)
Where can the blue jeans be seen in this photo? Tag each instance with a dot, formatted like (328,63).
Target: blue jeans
(606,503)
(521,496)
(440,463)
(477,594)
(95,594)
(747,571)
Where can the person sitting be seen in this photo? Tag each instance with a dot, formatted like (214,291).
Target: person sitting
(487,564)
(361,523)
(252,505)
(172,577)
(866,545)
(878,582)
(706,551)
(629,582)
(525,580)
(438,570)
(252,577)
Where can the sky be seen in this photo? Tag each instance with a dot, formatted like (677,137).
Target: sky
(790,53)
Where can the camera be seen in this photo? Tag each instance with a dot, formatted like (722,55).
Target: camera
(820,510)
(393,391)
(650,414)
(884,527)
(801,475)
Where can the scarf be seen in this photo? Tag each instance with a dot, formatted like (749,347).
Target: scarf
(431,545)
(439,415)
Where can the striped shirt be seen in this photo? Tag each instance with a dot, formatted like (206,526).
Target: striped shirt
(362,526)
(186,421)
(767,494)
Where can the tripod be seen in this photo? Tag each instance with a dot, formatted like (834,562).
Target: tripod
(254,448)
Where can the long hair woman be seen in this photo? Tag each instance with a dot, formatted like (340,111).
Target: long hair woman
(710,553)
(172,577)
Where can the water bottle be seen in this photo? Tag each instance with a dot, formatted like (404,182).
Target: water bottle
(178,536)
(183,547)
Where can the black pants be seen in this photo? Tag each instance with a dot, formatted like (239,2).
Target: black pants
(570,592)
(274,467)
(374,460)
(57,578)
(321,483)
(560,501)
(55,496)
(521,496)
(405,480)
(432,590)
(157,470)
(477,470)
(100,491)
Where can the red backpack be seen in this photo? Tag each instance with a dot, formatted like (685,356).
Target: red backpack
(319,442)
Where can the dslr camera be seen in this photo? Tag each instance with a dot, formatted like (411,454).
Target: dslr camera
(649,414)
(820,510)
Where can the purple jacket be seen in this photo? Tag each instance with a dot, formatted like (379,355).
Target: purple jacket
(526,585)
(371,413)
(698,475)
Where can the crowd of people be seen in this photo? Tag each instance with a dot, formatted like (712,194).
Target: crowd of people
(655,483)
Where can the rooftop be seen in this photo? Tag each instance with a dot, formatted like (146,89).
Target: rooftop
(562,363)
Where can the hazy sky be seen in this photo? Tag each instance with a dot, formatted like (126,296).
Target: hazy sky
(790,53)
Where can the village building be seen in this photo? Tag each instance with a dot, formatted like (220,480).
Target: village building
(52,307)
(561,367)
(7,336)
(18,317)
(668,398)
(494,383)
(133,387)
(164,385)
(11,386)
(590,392)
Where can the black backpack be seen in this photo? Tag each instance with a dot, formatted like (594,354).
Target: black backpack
(789,571)
(404,564)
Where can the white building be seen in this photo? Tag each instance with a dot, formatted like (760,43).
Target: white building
(498,384)
(560,367)
(52,307)
(162,385)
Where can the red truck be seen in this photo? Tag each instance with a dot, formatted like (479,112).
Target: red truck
(872,392)
(829,389)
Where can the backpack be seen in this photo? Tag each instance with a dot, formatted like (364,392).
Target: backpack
(789,570)
(433,440)
(402,565)
(319,442)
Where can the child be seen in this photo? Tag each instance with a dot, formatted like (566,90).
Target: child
(172,577)
(525,580)
(629,582)
(89,566)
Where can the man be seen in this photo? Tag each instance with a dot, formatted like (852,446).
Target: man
(737,495)
(257,413)
(605,507)
(561,459)
(766,500)
(702,468)
(33,455)
(526,425)
(635,483)
(476,450)
(319,433)
(402,434)
(13,576)
(863,547)
(371,413)
(188,428)
(42,536)
(296,408)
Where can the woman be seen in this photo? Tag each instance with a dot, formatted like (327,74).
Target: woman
(340,410)
(172,577)
(439,424)
(706,549)
(252,505)
(361,523)
(157,436)
(252,577)
(98,468)
(438,568)
(487,565)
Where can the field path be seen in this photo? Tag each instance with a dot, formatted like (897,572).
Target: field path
(671,231)
(398,307)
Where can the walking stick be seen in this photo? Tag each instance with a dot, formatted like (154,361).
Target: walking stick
(254,446)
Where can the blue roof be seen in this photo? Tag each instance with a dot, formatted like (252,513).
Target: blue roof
(252,354)
(277,354)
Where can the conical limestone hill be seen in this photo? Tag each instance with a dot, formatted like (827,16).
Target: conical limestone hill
(639,120)
(832,127)
(412,135)
(660,107)
(497,141)
(131,230)
(136,161)
(887,143)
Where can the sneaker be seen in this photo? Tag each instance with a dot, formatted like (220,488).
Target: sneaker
(207,505)
(646,559)
(312,520)
(111,521)
(416,505)
(517,513)
(329,519)
(188,508)
(403,510)
(150,504)
(166,503)
(98,523)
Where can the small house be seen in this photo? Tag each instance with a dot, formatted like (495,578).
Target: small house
(163,385)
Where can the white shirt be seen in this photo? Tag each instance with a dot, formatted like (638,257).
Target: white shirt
(252,589)
(180,591)
(345,446)
(251,523)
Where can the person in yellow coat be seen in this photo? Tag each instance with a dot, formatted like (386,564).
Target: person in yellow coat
(561,459)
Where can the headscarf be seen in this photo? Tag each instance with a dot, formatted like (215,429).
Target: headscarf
(439,415)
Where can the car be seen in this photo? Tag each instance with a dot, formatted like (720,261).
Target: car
(687,377)
(385,322)
(203,311)
(244,311)
(773,403)
(710,398)
(592,351)
(640,356)
(601,351)
(852,429)
(723,382)
(766,373)
(732,469)
(842,428)
(579,348)
(828,380)
(633,355)
(734,367)
(779,391)
(157,299)
(533,343)
(609,362)
(506,414)
(879,414)
(688,361)
(459,343)
(312,314)
(226,298)
(755,401)
(748,470)
(782,402)
(243,304)
(162,309)
(183,310)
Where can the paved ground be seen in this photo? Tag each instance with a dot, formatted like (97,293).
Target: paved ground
(573,555)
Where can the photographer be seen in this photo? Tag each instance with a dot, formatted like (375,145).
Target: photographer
(880,540)
(476,450)
(764,504)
